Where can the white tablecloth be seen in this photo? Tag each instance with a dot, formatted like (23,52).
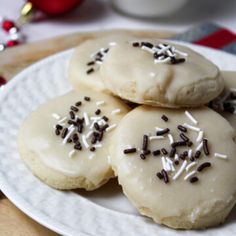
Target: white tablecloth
(98,15)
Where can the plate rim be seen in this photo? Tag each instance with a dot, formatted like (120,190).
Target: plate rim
(14,198)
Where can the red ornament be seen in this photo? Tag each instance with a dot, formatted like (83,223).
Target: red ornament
(12,43)
(7,25)
(55,7)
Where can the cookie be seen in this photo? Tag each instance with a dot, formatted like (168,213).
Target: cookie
(225,104)
(84,65)
(65,141)
(160,74)
(176,166)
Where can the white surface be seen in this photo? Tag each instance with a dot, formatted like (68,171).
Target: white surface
(102,212)
(98,15)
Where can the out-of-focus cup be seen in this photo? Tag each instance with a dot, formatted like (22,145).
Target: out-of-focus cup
(148,8)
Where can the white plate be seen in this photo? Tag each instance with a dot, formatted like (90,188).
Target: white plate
(102,212)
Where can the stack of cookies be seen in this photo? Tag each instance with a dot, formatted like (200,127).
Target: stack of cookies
(173,154)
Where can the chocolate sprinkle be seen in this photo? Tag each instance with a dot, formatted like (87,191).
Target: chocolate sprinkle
(142,156)
(164,151)
(165,176)
(89,71)
(197,154)
(75,109)
(64,132)
(135,44)
(176,162)
(103,128)
(57,131)
(177,144)
(92,149)
(161,132)
(98,111)
(130,150)
(147,44)
(78,146)
(205,147)
(90,63)
(165,118)
(203,166)
(79,103)
(145,142)
(184,137)
(189,143)
(105,118)
(72,115)
(182,128)
(172,152)
(146,152)
(159,175)
(59,127)
(87,99)
(193,179)
(96,126)
(156,152)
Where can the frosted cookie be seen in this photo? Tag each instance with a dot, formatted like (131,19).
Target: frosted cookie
(65,141)
(176,166)
(160,74)
(225,104)
(84,65)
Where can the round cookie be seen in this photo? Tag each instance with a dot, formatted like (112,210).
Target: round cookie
(84,65)
(165,75)
(225,104)
(176,167)
(65,141)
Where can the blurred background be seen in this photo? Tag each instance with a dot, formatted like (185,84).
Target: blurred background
(90,15)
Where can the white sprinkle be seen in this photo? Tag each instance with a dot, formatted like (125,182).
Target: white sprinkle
(199,147)
(180,171)
(71,153)
(219,155)
(167,166)
(91,156)
(157,61)
(179,52)
(176,158)
(200,136)
(152,74)
(99,145)
(170,138)
(194,128)
(169,160)
(99,103)
(68,135)
(88,135)
(156,137)
(109,159)
(98,62)
(56,116)
(190,116)
(163,161)
(86,118)
(189,166)
(190,174)
(101,122)
(116,111)
(95,118)
(190,151)
(111,127)
(85,141)
(62,120)
(147,49)
(159,129)
(112,44)
(232,90)
(170,54)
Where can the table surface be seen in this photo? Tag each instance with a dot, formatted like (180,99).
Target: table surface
(98,15)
